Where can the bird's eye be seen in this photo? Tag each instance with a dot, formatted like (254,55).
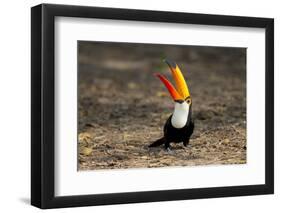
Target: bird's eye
(188,101)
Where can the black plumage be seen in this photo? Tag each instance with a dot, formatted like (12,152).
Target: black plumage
(175,135)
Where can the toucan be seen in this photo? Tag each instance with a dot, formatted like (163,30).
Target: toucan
(180,125)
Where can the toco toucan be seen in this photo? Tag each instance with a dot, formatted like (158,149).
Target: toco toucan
(179,126)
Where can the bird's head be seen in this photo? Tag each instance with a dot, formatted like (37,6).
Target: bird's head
(180,94)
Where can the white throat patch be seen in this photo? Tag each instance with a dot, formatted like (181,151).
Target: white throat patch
(180,115)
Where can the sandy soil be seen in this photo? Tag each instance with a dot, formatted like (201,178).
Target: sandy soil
(123,107)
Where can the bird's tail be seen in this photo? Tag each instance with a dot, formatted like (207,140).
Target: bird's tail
(157,142)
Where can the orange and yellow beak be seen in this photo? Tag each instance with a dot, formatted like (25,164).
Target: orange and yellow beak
(181,92)
(173,92)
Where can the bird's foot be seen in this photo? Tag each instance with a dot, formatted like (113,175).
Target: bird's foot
(169,150)
(187,146)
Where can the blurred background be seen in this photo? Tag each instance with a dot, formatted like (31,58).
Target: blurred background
(123,106)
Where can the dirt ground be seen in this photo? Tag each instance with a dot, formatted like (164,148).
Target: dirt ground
(122,106)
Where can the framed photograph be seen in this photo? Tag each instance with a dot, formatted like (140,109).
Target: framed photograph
(141,106)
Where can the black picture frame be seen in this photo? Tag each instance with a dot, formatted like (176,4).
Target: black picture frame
(43,117)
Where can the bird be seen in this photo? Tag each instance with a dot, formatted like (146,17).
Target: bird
(180,125)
